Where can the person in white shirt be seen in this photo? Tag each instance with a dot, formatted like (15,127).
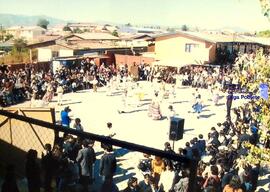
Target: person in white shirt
(110,132)
(166,178)
(171,112)
(60,92)
(77,125)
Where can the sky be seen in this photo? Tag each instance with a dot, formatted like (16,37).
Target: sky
(208,14)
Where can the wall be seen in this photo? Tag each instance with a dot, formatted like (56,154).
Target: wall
(44,54)
(212,51)
(65,53)
(129,60)
(173,49)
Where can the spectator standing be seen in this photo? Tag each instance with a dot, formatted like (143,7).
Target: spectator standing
(158,166)
(166,178)
(182,185)
(86,158)
(10,184)
(77,125)
(132,185)
(107,163)
(65,118)
(48,167)
(145,185)
(234,185)
(32,170)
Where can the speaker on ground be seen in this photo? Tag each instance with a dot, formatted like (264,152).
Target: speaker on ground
(176,129)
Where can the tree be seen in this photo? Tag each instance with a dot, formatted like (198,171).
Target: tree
(265,6)
(184,28)
(19,53)
(77,30)
(8,37)
(115,33)
(66,28)
(20,45)
(128,25)
(265,33)
(171,30)
(43,23)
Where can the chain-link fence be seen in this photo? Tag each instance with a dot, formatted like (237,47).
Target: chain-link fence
(22,130)
(17,136)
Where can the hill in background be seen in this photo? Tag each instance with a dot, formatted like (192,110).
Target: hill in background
(7,20)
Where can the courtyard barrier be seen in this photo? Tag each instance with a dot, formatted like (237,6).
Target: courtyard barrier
(33,133)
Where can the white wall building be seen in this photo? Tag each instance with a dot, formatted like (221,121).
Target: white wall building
(28,33)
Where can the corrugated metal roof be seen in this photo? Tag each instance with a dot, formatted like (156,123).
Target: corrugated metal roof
(25,28)
(45,38)
(259,40)
(218,38)
(97,36)
(214,38)
(8,43)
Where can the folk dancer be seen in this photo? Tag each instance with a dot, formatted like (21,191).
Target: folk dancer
(123,105)
(95,82)
(215,96)
(154,108)
(172,94)
(60,92)
(49,93)
(198,106)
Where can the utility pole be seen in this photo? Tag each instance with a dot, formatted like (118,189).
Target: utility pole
(2,34)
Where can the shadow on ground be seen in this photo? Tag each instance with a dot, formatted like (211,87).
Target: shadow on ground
(207,116)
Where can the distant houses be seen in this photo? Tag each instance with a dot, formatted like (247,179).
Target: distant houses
(91,27)
(29,33)
(97,45)
(150,44)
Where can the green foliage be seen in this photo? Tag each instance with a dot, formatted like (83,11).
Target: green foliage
(115,33)
(15,57)
(4,36)
(66,28)
(171,30)
(265,6)
(8,37)
(128,25)
(20,45)
(262,65)
(77,30)
(265,33)
(184,28)
(43,23)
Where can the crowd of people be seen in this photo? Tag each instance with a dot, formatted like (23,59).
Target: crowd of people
(25,84)
(222,166)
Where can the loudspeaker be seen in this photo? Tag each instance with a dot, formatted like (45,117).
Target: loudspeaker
(176,129)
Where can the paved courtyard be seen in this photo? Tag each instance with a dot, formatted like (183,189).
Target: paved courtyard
(96,109)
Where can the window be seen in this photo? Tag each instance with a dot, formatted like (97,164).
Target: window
(189,47)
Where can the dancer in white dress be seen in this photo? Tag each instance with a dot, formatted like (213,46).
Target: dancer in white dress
(215,96)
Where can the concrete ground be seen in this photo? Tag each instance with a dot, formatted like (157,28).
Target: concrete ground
(96,109)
